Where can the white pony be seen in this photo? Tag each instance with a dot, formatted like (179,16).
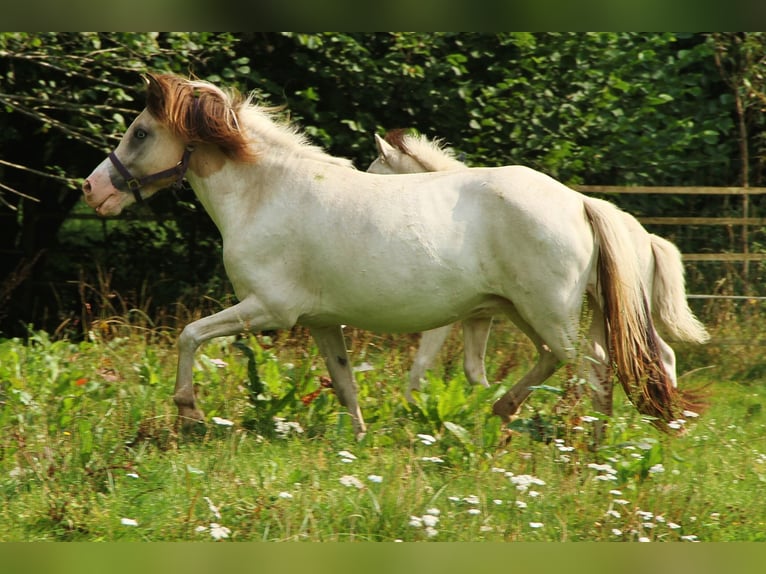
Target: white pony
(402,151)
(309,240)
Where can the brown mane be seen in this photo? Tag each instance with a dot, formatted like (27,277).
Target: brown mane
(198,112)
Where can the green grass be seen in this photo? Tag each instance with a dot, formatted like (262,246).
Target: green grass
(87,440)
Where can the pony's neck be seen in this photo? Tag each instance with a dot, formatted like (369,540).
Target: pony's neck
(271,138)
(430,154)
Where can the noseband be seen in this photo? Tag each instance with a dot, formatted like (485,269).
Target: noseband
(135,184)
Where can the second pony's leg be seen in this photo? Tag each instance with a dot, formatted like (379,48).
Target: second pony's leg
(597,371)
(475,335)
(430,344)
(332,346)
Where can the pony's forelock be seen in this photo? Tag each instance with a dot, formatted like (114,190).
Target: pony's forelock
(200,112)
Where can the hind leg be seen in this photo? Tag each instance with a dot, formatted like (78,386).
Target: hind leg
(509,403)
(547,363)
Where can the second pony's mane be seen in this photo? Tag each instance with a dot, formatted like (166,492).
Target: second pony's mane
(200,112)
(431,154)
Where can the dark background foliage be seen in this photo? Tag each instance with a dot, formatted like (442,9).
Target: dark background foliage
(586,108)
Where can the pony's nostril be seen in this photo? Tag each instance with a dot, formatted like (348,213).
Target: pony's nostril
(86,187)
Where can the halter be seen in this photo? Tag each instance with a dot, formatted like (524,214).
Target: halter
(136,183)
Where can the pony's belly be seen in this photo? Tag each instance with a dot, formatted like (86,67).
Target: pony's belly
(406,316)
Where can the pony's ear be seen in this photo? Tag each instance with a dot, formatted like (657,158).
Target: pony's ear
(154,92)
(384,148)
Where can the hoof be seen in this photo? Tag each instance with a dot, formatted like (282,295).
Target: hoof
(191,421)
(504,410)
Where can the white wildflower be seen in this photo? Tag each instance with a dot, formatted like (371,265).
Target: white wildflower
(536,524)
(351,480)
(605,477)
(603,467)
(346,456)
(524,481)
(285,495)
(128,522)
(430,520)
(218,532)
(427,439)
(416,521)
(213,508)
(431,459)
(474,511)
(375,478)
(222,422)
(283,427)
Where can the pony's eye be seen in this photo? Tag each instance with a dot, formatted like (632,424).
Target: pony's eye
(140,133)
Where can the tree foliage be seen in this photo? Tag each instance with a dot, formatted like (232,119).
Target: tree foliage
(595,108)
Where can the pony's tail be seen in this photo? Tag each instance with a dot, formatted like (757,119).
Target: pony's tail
(632,339)
(669,304)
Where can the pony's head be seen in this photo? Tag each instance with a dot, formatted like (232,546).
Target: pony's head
(180,115)
(392,155)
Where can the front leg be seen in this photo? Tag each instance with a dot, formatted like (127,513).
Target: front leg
(333,349)
(247,315)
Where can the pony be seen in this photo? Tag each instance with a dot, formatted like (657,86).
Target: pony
(402,151)
(309,240)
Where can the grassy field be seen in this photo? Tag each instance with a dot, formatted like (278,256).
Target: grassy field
(88,450)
